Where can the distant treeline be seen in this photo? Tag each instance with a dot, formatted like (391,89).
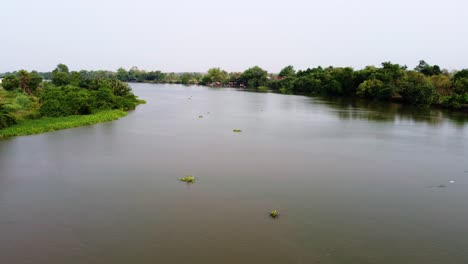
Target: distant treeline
(423,86)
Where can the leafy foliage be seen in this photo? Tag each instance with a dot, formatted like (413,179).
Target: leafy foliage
(418,89)
(215,75)
(78,93)
(61,75)
(10,82)
(70,99)
(427,69)
(29,82)
(287,71)
(254,77)
(370,88)
(6,118)
(65,100)
(424,86)
(460,75)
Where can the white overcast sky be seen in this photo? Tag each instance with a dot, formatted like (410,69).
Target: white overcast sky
(193,35)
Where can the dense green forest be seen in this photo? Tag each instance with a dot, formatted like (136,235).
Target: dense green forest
(25,96)
(424,86)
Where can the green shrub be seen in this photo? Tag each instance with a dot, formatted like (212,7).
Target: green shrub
(417,89)
(65,100)
(119,88)
(454,100)
(6,118)
(103,99)
(369,88)
(128,102)
(19,102)
(461,86)
(10,82)
(73,100)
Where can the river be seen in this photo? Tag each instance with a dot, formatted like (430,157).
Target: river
(353,181)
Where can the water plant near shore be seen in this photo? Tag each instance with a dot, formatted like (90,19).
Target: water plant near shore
(47,124)
(236,130)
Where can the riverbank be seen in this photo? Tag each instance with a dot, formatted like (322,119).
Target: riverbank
(48,124)
(29,105)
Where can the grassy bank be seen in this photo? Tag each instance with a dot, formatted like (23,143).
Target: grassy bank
(47,124)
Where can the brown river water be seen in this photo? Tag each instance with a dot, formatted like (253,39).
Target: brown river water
(354,182)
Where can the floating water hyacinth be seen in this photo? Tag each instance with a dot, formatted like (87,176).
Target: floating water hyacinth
(188,179)
(237,130)
(274,213)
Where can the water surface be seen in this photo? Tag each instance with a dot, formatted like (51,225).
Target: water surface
(354,182)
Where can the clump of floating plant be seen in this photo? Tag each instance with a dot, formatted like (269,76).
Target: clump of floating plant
(274,213)
(237,130)
(200,116)
(262,89)
(188,179)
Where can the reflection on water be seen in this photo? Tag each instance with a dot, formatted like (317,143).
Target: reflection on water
(347,108)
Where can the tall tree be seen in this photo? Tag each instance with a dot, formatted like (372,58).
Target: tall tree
(24,81)
(35,80)
(254,77)
(287,71)
(215,75)
(427,69)
(61,75)
(122,74)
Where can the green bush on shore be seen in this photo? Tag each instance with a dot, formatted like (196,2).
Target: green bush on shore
(74,100)
(6,118)
(71,99)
